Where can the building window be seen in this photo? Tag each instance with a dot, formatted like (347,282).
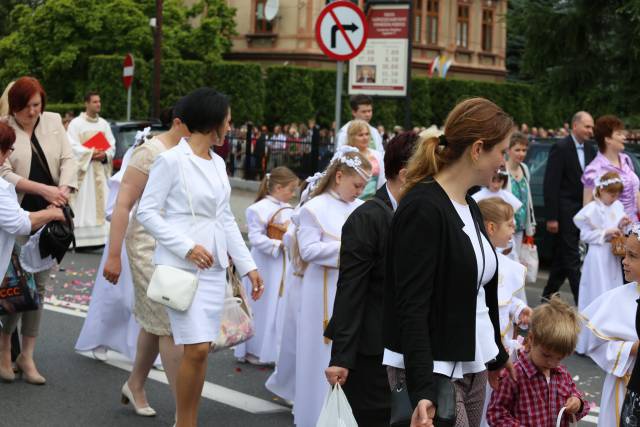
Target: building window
(487,30)
(417,21)
(262,25)
(432,21)
(462,27)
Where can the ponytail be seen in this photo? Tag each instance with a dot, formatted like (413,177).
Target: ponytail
(263,190)
(281,175)
(426,159)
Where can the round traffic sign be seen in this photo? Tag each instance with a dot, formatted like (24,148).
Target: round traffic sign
(341,30)
(127,71)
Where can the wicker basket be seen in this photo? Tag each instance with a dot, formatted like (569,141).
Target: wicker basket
(274,230)
(617,246)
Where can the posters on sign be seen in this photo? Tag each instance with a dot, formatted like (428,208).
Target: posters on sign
(381,68)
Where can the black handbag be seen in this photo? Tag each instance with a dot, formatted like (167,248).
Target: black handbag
(401,407)
(18,288)
(58,236)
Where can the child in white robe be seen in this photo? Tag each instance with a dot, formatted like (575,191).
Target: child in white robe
(613,341)
(271,206)
(500,225)
(497,189)
(320,227)
(283,380)
(598,222)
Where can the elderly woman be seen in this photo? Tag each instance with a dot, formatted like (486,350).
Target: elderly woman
(610,135)
(15,221)
(43,170)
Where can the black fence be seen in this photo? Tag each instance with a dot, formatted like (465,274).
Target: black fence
(251,156)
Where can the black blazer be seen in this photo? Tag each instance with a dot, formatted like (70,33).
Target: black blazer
(562,185)
(432,276)
(356,323)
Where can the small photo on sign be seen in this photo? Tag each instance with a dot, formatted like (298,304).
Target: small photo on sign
(365,73)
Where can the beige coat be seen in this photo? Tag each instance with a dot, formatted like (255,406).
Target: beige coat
(53,140)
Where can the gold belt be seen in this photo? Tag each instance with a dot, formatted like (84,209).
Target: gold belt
(325,320)
(626,379)
(284,271)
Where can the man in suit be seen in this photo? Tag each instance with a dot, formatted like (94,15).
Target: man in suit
(356,324)
(563,199)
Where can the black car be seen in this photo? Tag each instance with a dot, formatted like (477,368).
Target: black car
(536,160)
(125,133)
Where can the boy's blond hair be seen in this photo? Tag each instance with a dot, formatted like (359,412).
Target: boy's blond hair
(555,326)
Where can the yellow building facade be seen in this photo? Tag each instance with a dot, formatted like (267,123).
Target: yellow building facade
(471,32)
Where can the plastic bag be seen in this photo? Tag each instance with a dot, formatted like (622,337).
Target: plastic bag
(236,322)
(336,411)
(573,423)
(529,257)
(30,257)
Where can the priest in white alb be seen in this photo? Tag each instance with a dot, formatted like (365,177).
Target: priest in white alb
(94,147)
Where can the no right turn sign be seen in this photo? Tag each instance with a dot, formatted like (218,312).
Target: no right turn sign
(341,30)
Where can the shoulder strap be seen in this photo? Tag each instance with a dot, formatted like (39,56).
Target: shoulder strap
(37,151)
(524,171)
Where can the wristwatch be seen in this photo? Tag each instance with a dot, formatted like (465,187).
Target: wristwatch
(189,252)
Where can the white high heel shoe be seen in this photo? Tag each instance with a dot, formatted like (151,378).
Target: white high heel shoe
(127,397)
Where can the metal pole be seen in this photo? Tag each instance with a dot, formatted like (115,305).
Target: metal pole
(407,100)
(129,103)
(339,76)
(157,58)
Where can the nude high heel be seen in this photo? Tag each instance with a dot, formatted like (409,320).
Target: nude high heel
(127,397)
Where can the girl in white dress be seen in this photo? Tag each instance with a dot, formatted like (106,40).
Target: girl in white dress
(598,222)
(272,205)
(500,225)
(613,340)
(497,189)
(321,220)
(283,380)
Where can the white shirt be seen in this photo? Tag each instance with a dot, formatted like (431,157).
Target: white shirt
(14,221)
(579,150)
(394,202)
(486,348)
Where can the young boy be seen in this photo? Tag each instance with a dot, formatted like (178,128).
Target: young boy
(543,386)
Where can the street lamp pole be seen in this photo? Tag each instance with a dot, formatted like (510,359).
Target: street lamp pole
(157,59)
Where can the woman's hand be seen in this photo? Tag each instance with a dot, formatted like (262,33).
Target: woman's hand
(112,269)
(65,190)
(573,405)
(525,315)
(424,414)
(200,257)
(54,195)
(56,214)
(624,222)
(257,285)
(610,233)
(336,374)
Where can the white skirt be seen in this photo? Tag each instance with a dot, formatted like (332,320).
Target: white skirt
(201,321)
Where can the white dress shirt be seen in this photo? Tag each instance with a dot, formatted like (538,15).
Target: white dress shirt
(580,150)
(14,221)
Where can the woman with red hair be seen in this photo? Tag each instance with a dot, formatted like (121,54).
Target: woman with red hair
(43,170)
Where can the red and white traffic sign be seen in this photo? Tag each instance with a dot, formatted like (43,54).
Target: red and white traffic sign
(341,30)
(127,71)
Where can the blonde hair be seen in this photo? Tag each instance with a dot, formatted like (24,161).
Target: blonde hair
(471,120)
(615,188)
(555,326)
(495,210)
(281,175)
(354,128)
(4,100)
(329,179)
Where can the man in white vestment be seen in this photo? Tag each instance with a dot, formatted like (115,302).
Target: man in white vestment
(362,109)
(94,170)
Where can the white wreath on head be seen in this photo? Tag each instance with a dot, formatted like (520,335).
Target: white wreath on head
(141,135)
(354,163)
(607,182)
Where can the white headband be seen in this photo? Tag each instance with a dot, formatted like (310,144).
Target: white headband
(607,182)
(354,163)
(635,229)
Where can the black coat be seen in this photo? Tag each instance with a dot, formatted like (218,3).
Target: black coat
(431,287)
(356,322)
(563,189)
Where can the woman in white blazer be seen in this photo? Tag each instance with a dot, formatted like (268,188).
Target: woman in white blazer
(191,174)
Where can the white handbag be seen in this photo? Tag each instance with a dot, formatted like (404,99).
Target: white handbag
(173,286)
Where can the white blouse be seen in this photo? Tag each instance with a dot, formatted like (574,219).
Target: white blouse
(14,221)
(486,348)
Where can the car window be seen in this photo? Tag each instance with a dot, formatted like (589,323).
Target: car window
(128,138)
(537,162)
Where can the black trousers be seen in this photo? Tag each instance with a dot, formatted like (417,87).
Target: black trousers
(367,389)
(566,256)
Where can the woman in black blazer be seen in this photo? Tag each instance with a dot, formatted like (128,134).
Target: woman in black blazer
(438,313)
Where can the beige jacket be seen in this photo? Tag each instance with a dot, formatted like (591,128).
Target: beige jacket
(57,149)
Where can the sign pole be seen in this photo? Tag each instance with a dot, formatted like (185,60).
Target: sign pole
(407,99)
(129,103)
(339,77)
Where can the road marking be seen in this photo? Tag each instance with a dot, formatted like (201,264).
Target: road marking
(211,391)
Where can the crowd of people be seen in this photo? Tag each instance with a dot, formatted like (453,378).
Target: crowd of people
(399,269)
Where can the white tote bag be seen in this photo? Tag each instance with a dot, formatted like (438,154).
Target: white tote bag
(529,257)
(336,411)
(573,423)
(173,286)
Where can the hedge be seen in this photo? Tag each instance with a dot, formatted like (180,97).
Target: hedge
(289,95)
(244,84)
(179,77)
(62,108)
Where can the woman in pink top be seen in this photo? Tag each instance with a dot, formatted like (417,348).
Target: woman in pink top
(610,136)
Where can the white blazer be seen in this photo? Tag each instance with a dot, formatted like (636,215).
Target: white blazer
(164,211)
(14,221)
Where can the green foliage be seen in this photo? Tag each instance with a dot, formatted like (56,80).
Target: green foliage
(105,76)
(179,77)
(289,95)
(324,96)
(61,109)
(244,85)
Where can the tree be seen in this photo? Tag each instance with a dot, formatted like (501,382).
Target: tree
(54,39)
